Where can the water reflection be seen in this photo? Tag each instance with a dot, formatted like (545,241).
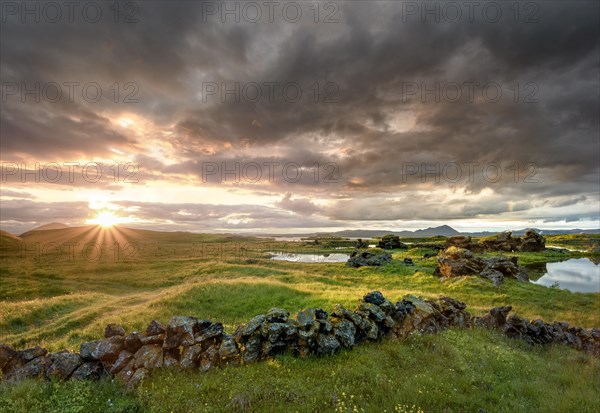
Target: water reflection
(284,256)
(577,275)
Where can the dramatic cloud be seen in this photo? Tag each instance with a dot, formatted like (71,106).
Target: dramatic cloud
(367,113)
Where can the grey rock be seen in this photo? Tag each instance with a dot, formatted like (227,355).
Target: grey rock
(113,329)
(90,370)
(306,317)
(277,315)
(149,356)
(253,325)
(374,297)
(104,350)
(180,332)
(189,356)
(345,332)
(32,353)
(213,331)
(63,365)
(361,258)
(327,344)
(228,349)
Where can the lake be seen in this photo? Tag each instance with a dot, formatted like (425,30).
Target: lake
(326,258)
(577,275)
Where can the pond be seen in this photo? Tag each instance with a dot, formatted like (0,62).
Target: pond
(326,258)
(578,275)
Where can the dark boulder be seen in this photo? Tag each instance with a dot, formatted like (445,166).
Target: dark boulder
(63,364)
(155,328)
(459,262)
(102,350)
(90,370)
(180,332)
(391,242)
(368,258)
(133,341)
(532,241)
(277,315)
(112,330)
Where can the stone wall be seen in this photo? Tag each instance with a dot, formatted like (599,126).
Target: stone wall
(188,343)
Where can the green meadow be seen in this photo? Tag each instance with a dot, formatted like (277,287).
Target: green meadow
(60,300)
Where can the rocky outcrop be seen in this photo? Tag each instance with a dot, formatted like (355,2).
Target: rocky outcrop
(530,242)
(188,343)
(540,332)
(391,242)
(361,258)
(463,241)
(459,262)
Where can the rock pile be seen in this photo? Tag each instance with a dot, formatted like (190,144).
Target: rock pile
(190,343)
(530,242)
(361,258)
(540,332)
(391,242)
(458,262)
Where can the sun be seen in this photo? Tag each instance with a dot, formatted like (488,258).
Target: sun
(105,219)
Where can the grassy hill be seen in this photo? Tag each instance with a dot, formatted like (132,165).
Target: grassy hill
(59,304)
(9,243)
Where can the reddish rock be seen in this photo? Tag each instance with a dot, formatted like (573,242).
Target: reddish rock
(125,357)
(133,342)
(155,328)
(112,330)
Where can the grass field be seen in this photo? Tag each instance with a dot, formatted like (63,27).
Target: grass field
(59,303)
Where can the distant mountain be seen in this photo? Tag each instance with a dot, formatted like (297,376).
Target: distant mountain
(443,230)
(46,227)
(521,232)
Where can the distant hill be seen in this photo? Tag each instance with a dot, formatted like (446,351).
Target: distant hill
(521,232)
(9,242)
(443,230)
(98,234)
(46,227)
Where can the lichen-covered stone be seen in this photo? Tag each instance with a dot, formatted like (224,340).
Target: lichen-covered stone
(253,325)
(214,330)
(189,356)
(102,350)
(124,357)
(277,315)
(63,364)
(228,349)
(180,332)
(149,356)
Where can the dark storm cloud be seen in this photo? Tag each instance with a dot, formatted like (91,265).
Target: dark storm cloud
(372,131)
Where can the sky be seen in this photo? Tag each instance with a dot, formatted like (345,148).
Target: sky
(288,117)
